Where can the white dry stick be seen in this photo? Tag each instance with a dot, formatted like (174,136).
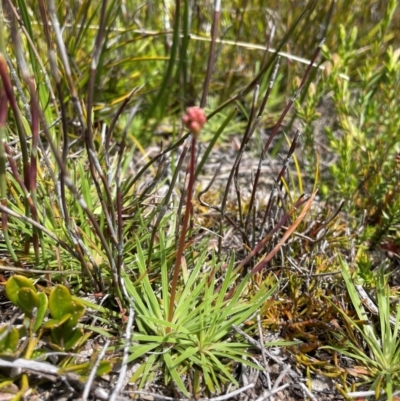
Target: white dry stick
(369,304)
(267,394)
(194,37)
(264,358)
(157,396)
(90,379)
(124,365)
(361,394)
(103,395)
(48,369)
(220,398)
(229,395)
(307,391)
(256,344)
(247,337)
(281,376)
(35,366)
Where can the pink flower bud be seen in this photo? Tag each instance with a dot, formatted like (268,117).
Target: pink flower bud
(194,119)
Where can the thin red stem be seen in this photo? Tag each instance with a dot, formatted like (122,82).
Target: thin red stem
(182,237)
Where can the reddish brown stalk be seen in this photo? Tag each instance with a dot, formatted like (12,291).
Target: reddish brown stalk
(17,115)
(182,238)
(261,264)
(33,167)
(7,85)
(17,177)
(261,244)
(194,119)
(194,123)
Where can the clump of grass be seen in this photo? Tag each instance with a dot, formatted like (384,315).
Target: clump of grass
(375,346)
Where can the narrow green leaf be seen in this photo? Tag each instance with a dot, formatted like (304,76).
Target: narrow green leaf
(186,355)
(139,350)
(222,368)
(148,292)
(148,367)
(177,379)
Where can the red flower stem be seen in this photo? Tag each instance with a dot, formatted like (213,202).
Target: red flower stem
(182,237)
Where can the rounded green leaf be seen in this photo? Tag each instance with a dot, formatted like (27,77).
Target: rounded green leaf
(13,286)
(28,299)
(59,301)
